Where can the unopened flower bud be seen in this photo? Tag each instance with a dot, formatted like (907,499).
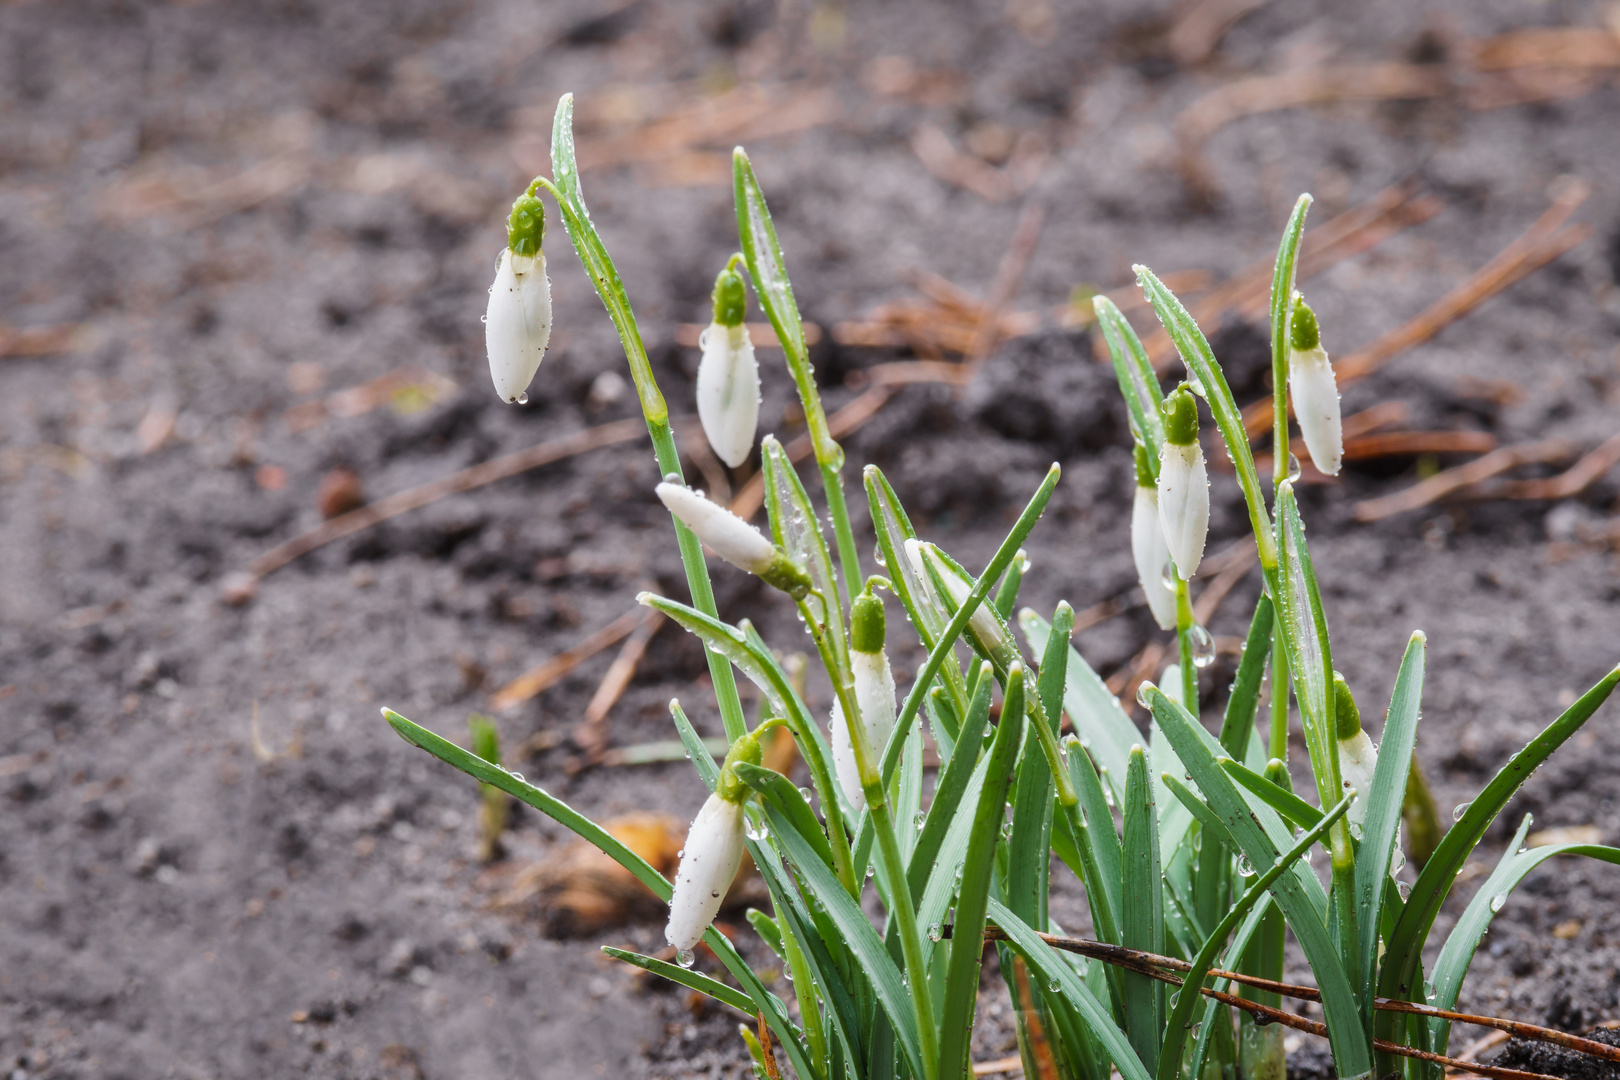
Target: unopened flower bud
(1148,548)
(1314,392)
(713,852)
(733,539)
(1358,758)
(517,324)
(1183,484)
(874,696)
(728,375)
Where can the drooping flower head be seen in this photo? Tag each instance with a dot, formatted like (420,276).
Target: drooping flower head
(1183,484)
(1358,757)
(713,852)
(1313,390)
(874,697)
(733,539)
(517,324)
(728,374)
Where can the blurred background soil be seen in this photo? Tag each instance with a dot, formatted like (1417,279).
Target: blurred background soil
(244,249)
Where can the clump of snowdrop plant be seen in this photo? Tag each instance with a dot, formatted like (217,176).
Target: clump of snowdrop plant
(1190,842)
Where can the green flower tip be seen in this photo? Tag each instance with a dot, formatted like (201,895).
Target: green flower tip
(746,749)
(526,224)
(866,624)
(1181,417)
(730,298)
(1303,331)
(785,574)
(1347,718)
(1144,468)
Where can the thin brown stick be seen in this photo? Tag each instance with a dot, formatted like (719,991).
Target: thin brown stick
(1009,275)
(536,679)
(591,735)
(768,1052)
(414,498)
(1014,1064)
(1448,481)
(1478,1047)
(1544,241)
(1397,443)
(1157,967)
(1580,476)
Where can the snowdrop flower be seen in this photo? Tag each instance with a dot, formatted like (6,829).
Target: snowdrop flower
(874,696)
(1183,484)
(1147,545)
(518,322)
(1313,390)
(713,852)
(984,624)
(733,539)
(728,374)
(1357,755)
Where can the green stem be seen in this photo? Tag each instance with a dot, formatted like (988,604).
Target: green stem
(605,277)
(1184,631)
(891,863)
(1279,696)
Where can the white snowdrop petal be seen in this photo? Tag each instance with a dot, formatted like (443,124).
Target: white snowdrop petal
(714,848)
(843,754)
(517,324)
(728,391)
(726,534)
(874,696)
(1315,396)
(1357,760)
(1184,504)
(1150,553)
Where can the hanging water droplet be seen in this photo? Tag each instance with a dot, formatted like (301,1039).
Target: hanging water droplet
(877,555)
(523,398)
(870,871)
(806,794)
(1404,888)
(1355,830)
(1144,693)
(1168,575)
(1397,861)
(685,957)
(1203,647)
(1498,901)
(1244,866)
(1293,467)
(1194,383)
(758,833)
(935,932)
(958,872)
(920,820)
(1196,1028)
(1174,995)
(1459,810)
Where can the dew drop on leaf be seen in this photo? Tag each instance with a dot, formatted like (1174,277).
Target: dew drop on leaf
(1293,467)
(1404,889)
(1459,810)
(1498,901)
(1244,866)
(935,932)
(1144,693)
(685,957)
(1054,986)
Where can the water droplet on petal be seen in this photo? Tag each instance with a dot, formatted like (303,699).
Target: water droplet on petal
(523,398)
(1168,575)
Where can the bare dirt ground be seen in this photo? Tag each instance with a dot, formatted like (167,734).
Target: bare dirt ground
(217,221)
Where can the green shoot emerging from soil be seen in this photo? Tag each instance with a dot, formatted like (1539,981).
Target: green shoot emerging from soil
(1193,848)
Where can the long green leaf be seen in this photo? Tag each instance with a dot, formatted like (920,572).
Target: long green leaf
(1282,307)
(1050,966)
(948,792)
(1200,360)
(1380,832)
(962,980)
(1262,837)
(796,529)
(586,829)
(780,792)
(702,760)
(1401,973)
(1301,813)
(1102,725)
(686,977)
(1237,724)
(1138,382)
(1142,920)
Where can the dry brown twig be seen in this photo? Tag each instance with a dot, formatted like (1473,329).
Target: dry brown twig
(536,679)
(591,735)
(1450,481)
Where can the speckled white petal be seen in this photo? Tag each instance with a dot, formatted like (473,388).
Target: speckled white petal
(714,848)
(1184,504)
(728,391)
(1150,553)
(726,534)
(517,324)
(1315,396)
